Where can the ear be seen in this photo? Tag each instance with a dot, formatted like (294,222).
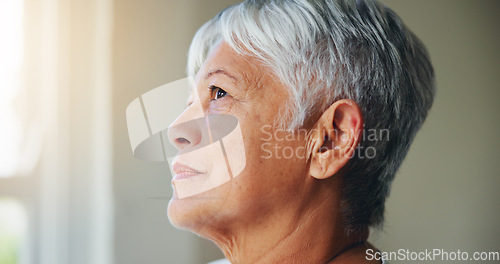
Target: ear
(334,138)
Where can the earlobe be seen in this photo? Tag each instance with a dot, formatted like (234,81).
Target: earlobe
(334,138)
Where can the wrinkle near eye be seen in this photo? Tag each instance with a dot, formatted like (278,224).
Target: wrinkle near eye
(219,108)
(254,88)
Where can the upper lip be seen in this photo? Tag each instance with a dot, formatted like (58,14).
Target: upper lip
(179,168)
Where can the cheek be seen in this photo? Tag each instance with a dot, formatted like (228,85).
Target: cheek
(273,162)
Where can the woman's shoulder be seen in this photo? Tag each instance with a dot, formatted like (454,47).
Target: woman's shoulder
(225,261)
(220,261)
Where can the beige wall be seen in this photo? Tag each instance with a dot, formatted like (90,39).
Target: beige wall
(445,195)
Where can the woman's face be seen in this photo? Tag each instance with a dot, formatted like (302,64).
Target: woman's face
(274,172)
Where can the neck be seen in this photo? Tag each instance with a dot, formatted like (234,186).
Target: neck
(294,234)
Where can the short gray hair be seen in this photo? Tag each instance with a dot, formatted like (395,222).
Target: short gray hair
(326,50)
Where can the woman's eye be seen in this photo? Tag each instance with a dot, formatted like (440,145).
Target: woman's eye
(217,92)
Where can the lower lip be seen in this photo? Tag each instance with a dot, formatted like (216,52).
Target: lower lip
(185,176)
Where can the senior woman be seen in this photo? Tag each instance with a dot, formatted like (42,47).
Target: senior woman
(328,96)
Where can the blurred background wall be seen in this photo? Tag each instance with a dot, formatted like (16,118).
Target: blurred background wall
(88,200)
(446,195)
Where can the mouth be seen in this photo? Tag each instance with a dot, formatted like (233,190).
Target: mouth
(182,172)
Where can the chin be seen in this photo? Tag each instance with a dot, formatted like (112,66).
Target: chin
(188,213)
(179,213)
(194,212)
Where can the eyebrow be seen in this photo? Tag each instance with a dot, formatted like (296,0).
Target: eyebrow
(220,71)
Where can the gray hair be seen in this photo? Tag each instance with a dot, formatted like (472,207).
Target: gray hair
(326,50)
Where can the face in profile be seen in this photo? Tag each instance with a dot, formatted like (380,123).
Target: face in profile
(216,184)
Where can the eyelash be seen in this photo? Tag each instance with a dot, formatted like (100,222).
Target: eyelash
(214,92)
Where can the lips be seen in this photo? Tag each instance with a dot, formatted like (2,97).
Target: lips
(182,171)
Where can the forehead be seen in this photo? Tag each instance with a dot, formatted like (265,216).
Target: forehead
(243,75)
(223,60)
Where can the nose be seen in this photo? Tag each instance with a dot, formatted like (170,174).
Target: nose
(185,132)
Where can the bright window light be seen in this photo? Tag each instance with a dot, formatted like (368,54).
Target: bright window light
(12,230)
(11,54)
